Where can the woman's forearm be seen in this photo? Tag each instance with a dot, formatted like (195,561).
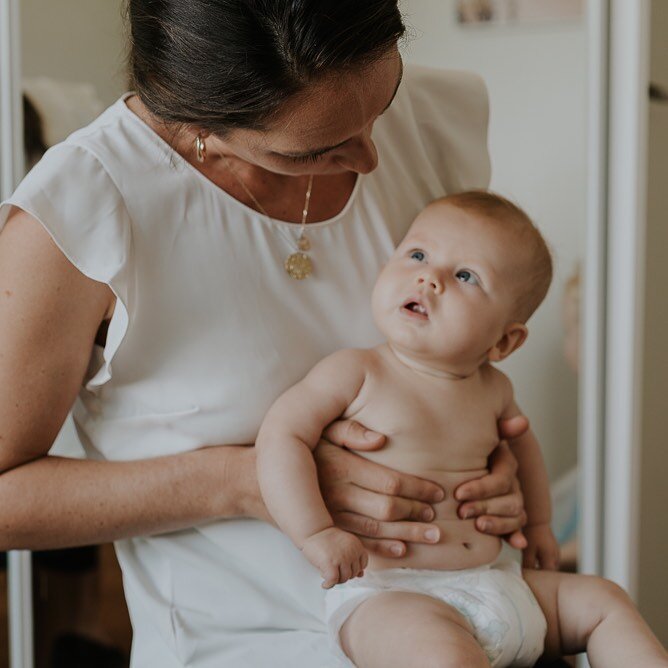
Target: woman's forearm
(54,502)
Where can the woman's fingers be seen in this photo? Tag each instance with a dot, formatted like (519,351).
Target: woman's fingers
(393,483)
(351,434)
(517,540)
(383,480)
(487,487)
(513,427)
(384,548)
(499,526)
(336,464)
(499,481)
(508,505)
(376,506)
(368,527)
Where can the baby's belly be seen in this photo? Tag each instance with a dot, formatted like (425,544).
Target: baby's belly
(461,545)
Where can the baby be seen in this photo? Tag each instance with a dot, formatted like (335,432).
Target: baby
(454,297)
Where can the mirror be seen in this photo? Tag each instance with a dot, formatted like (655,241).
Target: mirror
(72,69)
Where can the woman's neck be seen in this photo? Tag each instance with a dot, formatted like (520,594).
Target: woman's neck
(281,196)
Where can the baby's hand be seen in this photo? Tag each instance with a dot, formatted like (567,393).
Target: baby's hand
(337,554)
(542,550)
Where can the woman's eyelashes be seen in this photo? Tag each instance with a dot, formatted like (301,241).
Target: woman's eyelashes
(310,158)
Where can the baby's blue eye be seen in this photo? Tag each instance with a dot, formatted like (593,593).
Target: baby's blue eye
(466,276)
(418,255)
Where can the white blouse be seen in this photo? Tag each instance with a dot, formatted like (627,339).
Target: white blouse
(209,329)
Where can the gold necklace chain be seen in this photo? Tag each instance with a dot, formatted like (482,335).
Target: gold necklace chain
(299,264)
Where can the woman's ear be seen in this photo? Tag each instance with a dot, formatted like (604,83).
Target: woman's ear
(514,336)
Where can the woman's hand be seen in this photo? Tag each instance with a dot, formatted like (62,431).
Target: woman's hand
(496,500)
(384,507)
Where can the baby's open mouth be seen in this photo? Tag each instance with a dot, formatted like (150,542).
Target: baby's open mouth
(417,308)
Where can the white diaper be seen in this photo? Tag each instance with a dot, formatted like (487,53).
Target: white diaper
(506,618)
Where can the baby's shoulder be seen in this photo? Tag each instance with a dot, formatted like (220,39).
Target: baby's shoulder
(496,381)
(349,359)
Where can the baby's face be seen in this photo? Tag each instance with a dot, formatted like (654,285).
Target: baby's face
(449,290)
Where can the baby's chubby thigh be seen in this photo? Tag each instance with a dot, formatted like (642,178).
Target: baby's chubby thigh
(402,628)
(482,616)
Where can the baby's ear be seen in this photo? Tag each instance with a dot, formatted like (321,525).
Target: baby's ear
(514,336)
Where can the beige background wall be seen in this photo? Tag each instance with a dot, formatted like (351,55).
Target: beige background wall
(536,76)
(653,580)
(75,40)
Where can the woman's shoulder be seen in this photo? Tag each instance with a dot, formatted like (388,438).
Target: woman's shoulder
(120,142)
(424,85)
(89,186)
(438,99)
(88,159)
(72,194)
(438,123)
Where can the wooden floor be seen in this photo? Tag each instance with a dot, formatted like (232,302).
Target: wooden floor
(92,605)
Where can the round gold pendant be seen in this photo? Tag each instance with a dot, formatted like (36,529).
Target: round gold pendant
(299,266)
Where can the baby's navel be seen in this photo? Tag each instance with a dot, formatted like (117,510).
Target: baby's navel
(467,545)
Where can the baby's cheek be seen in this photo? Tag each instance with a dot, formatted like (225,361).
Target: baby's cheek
(380,303)
(460,337)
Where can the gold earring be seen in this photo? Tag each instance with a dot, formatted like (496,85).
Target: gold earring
(200,148)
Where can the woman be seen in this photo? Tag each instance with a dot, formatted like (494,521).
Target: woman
(173,267)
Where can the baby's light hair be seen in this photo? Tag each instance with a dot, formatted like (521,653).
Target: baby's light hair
(539,267)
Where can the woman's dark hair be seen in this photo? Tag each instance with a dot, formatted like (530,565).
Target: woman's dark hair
(227,64)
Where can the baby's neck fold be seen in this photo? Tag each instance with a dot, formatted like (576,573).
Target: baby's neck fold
(429,367)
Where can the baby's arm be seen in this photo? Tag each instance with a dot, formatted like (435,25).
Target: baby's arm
(542,548)
(286,470)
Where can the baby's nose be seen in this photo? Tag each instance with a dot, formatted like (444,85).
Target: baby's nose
(430,281)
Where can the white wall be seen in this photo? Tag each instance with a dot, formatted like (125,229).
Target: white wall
(537,86)
(75,40)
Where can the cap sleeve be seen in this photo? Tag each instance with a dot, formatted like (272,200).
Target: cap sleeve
(451,109)
(73,197)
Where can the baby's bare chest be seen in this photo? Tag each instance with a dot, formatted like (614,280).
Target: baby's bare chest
(430,427)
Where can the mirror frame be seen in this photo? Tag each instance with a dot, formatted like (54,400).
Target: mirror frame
(592,345)
(627,193)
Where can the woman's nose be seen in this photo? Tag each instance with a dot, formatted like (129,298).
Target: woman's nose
(361,155)
(430,282)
